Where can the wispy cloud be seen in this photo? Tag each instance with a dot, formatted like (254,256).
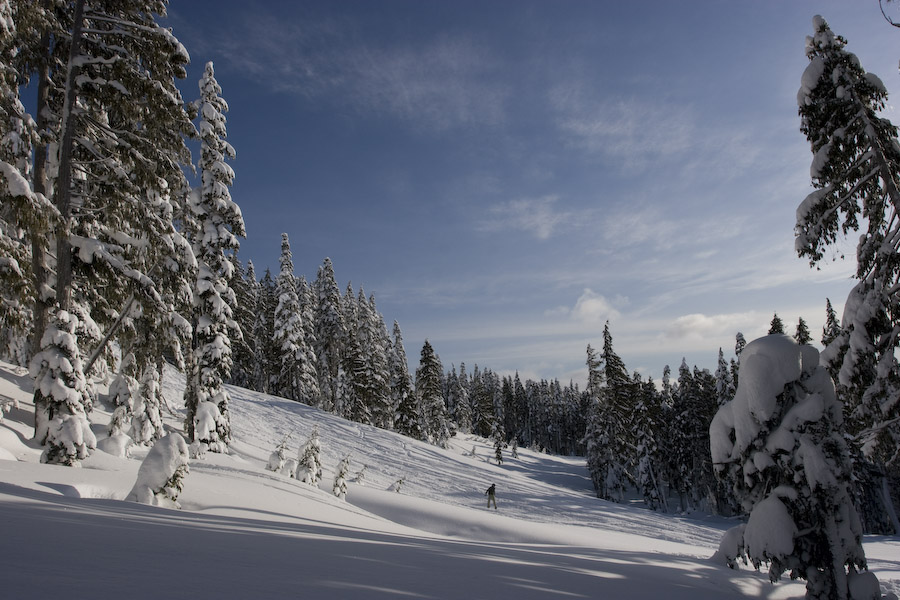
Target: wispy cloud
(541,217)
(439,83)
(630,132)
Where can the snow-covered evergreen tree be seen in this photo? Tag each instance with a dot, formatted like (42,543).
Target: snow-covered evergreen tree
(458,399)
(329,334)
(264,333)
(122,393)
(374,341)
(307,313)
(611,444)
(219,224)
(780,439)
(856,173)
(297,375)
(60,384)
(146,422)
(724,382)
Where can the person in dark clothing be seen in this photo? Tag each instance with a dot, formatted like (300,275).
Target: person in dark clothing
(490,494)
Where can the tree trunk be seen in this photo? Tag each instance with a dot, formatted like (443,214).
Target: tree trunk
(63,193)
(38,244)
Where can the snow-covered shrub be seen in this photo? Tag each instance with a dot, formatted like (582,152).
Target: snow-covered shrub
(5,404)
(161,476)
(360,477)
(118,445)
(731,547)
(779,440)
(309,465)
(62,399)
(340,479)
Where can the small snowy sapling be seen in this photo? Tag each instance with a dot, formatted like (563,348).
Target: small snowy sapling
(309,465)
(340,479)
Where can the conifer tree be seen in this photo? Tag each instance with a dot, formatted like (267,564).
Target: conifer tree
(329,334)
(146,422)
(374,340)
(307,312)
(431,397)
(219,224)
(777,325)
(407,419)
(855,167)
(802,335)
(297,376)
(780,438)
(264,332)
(724,382)
(243,282)
(832,328)
(60,381)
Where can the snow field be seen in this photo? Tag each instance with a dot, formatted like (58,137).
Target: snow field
(244,531)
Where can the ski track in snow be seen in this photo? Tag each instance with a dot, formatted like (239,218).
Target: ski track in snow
(244,531)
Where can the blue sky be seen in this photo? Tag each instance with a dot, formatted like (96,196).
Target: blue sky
(506,176)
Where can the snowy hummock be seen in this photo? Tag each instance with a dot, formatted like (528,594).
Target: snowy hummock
(245,532)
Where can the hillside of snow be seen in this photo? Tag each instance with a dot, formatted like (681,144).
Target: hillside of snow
(245,532)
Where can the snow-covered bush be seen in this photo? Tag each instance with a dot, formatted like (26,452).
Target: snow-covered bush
(309,465)
(340,479)
(62,399)
(779,440)
(161,476)
(360,477)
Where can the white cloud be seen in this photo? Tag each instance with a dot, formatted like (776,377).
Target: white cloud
(700,326)
(592,307)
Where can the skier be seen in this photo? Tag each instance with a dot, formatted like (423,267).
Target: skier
(490,494)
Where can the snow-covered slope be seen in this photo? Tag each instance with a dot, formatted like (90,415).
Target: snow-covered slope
(246,532)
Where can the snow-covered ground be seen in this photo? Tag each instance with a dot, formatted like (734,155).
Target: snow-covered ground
(245,532)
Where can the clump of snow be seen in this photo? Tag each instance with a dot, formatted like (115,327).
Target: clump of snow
(769,534)
(161,475)
(117,445)
(731,547)
(69,439)
(863,586)
(278,459)
(207,423)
